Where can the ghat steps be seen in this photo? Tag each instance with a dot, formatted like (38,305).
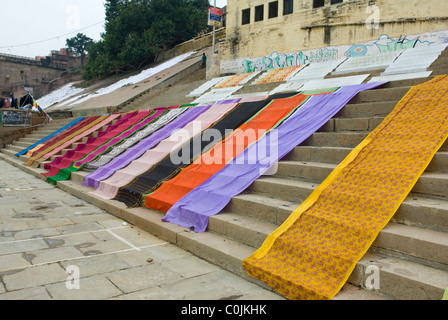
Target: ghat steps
(411,252)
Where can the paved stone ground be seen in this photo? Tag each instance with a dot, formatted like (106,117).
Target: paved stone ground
(48,238)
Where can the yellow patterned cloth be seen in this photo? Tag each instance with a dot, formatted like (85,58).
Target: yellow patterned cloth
(314,252)
(232,81)
(277,75)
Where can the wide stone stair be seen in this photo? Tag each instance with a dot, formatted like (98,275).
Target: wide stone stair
(410,253)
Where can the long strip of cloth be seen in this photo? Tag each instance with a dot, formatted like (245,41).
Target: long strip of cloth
(132,194)
(139,149)
(211,162)
(62,170)
(108,188)
(139,131)
(51,135)
(195,208)
(32,162)
(313,253)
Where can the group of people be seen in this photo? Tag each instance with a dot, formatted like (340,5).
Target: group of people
(17,103)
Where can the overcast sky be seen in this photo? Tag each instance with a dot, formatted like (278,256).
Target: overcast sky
(33,28)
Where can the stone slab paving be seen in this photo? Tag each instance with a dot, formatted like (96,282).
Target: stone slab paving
(54,246)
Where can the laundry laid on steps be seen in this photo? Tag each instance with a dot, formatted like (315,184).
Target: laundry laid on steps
(166,169)
(82,149)
(178,121)
(275,112)
(312,254)
(108,188)
(134,135)
(61,167)
(194,209)
(82,127)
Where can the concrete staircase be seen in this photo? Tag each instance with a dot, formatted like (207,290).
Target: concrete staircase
(410,254)
(166,95)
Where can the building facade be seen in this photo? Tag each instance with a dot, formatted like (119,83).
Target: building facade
(257,28)
(22,75)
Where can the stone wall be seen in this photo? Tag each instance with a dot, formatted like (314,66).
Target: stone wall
(306,28)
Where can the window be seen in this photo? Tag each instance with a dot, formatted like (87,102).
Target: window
(288,6)
(336,1)
(246,16)
(273,9)
(318,3)
(259,12)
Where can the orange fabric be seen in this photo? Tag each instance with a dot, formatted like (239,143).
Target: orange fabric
(214,160)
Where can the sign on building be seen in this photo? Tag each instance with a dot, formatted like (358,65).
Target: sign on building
(214,17)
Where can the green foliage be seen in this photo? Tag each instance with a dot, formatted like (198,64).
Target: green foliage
(79,45)
(136,30)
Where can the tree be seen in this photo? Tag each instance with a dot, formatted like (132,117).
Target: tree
(79,45)
(137,30)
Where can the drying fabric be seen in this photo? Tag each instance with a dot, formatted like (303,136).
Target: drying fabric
(234,80)
(108,188)
(278,75)
(267,119)
(61,167)
(79,126)
(91,144)
(106,120)
(178,118)
(313,253)
(131,194)
(41,141)
(137,133)
(195,208)
(84,126)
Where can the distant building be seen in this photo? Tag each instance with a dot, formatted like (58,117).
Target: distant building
(257,28)
(21,75)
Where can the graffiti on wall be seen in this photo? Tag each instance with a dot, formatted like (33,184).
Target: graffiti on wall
(276,60)
(382,45)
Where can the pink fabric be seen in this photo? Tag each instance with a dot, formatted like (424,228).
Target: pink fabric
(82,135)
(257,98)
(108,188)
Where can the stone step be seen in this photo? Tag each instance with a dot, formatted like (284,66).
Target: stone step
(367,109)
(336,139)
(380,94)
(293,188)
(415,210)
(399,279)
(14,148)
(336,155)
(351,124)
(29,140)
(21,144)
(425,246)
(347,139)
(435,181)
